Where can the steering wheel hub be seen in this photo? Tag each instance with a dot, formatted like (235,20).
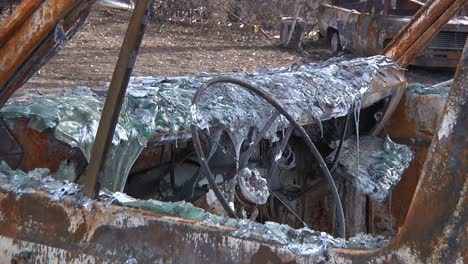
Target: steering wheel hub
(253,186)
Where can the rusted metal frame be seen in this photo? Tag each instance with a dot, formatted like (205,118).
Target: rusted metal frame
(425,39)
(46,50)
(424,19)
(15,20)
(32,32)
(115,97)
(434,229)
(67,232)
(438,211)
(403,39)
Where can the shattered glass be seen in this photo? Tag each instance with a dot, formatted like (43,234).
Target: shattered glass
(40,179)
(417,88)
(366,241)
(158,108)
(377,168)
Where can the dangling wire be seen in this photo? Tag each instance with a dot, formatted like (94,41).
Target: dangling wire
(287,205)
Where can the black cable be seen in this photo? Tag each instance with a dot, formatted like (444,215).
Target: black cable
(279,108)
(172,169)
(334,164)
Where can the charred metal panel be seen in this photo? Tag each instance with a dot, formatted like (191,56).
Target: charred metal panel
(39,148)
(414,123)
(360,33)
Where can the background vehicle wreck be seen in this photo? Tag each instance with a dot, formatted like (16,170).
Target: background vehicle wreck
(366,27)
(379,79)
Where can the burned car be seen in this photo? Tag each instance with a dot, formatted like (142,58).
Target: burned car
(335,161)
(366,27)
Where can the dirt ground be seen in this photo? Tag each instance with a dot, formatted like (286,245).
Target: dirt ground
(173,49)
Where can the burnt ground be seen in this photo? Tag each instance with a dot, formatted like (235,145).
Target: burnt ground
(173,49)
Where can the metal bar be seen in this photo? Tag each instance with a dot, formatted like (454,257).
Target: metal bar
(416,26)
(425,39)
(117,90)
(41,54)
(422,28)
(442,84)
(30,35)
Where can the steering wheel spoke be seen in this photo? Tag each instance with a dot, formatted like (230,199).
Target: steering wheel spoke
(244,158)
